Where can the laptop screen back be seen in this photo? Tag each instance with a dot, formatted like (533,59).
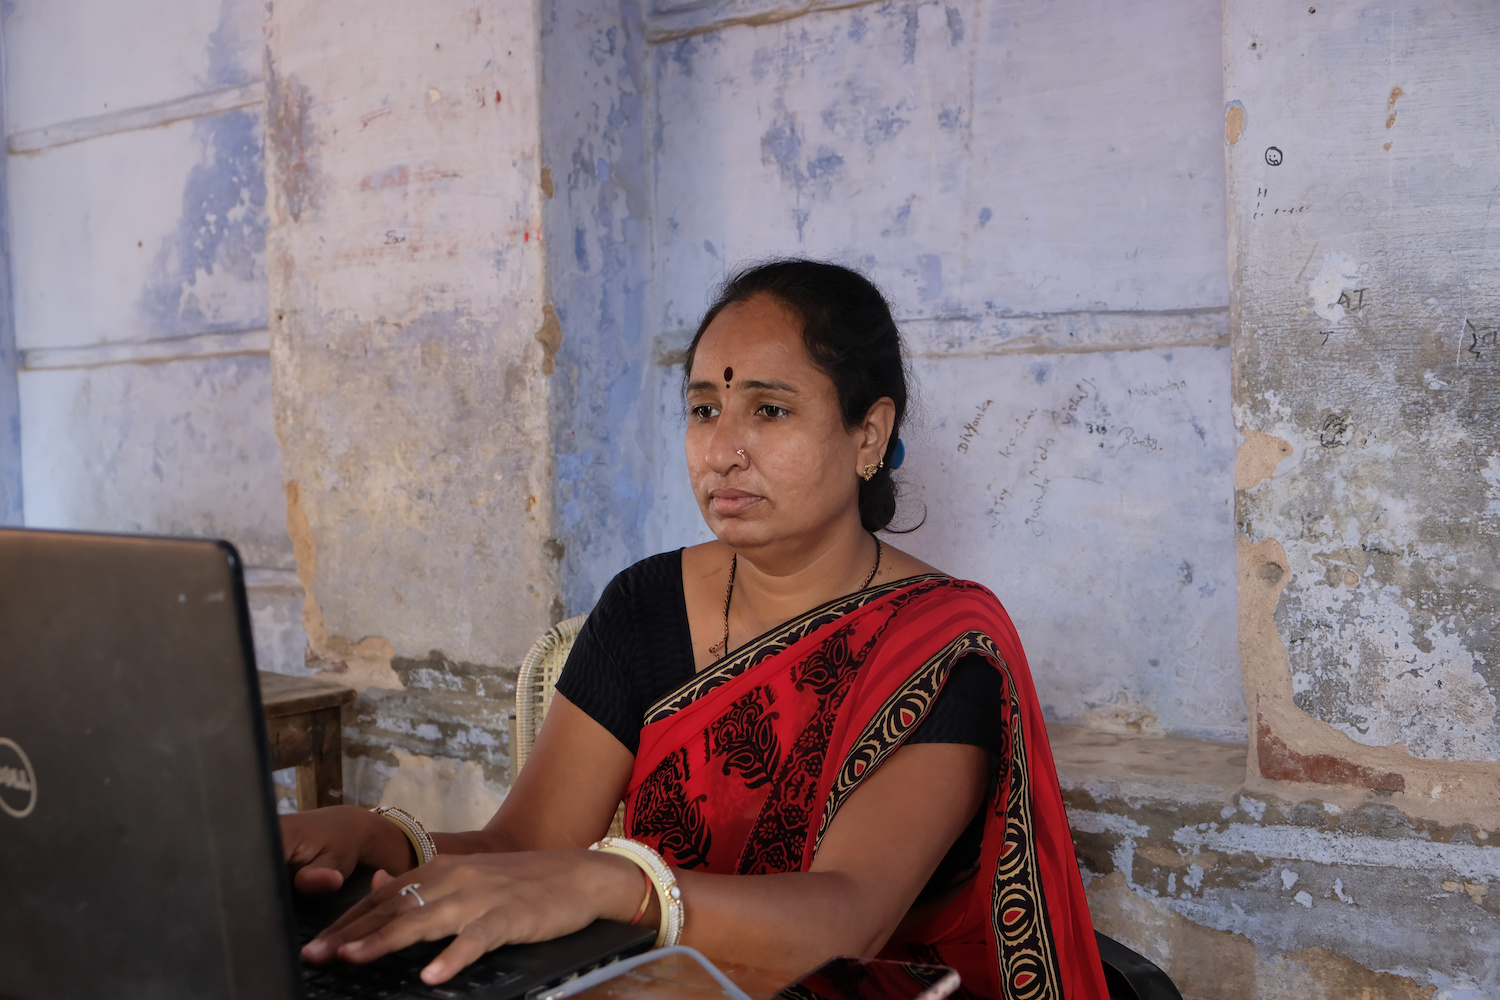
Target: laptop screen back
(138,849)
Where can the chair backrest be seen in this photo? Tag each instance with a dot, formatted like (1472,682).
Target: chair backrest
(536,683)
(1131,975)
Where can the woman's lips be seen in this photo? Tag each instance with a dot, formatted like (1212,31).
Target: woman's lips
(730,501)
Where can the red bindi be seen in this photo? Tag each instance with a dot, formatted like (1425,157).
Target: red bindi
(728,376)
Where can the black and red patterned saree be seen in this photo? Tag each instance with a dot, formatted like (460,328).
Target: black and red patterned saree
(741,770)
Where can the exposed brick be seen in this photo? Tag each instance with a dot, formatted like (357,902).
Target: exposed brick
(1280,762)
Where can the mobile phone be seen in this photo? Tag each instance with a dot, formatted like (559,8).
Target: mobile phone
(848,978)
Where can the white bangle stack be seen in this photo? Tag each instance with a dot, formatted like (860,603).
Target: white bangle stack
(668,895)
(421,841)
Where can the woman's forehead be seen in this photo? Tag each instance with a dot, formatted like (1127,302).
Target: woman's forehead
(757,337)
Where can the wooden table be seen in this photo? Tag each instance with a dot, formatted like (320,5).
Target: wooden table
(679,978)
(305,731)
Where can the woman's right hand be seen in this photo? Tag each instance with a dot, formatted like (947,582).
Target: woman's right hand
(323,846)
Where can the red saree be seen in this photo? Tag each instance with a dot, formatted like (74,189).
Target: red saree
(742,769)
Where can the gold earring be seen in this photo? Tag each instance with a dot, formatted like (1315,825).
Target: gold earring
(868,472)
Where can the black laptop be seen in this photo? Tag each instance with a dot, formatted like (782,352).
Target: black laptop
(140,855)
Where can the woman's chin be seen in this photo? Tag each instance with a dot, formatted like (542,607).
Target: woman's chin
(739,530)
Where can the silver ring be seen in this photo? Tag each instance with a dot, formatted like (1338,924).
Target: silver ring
(411,890)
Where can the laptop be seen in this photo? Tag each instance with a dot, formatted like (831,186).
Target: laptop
(140,853)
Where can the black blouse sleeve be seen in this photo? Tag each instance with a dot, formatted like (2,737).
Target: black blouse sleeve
(634,648)
(968,709)
(594,678)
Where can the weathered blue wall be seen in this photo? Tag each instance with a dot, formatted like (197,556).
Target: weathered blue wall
(595,131)
(974,159)
(1043,200)
(136,207)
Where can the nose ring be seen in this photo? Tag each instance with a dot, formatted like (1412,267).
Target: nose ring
(741,452)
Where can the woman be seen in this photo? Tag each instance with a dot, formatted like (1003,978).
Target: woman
(829,746)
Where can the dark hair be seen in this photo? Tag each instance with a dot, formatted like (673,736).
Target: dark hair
(850,336)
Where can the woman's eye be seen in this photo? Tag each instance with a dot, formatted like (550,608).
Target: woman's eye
(705,412)
(774,412)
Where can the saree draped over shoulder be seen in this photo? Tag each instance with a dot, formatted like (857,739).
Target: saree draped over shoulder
(743,768)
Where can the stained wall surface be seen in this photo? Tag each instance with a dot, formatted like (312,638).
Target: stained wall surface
(136,213)
(410,365)
(1367,298)
(1351,851)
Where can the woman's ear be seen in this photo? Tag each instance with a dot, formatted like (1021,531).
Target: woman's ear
(875,431)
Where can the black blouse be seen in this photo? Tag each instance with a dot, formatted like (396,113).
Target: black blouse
(636,648)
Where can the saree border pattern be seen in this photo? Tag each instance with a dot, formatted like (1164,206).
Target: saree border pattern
(897,718)
(1018,919)
(776,640)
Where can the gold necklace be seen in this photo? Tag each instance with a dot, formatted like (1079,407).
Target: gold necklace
(719,649)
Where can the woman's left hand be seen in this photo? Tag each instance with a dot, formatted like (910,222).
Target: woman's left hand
(487,900)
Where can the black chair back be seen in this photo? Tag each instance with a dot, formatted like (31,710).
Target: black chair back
(1132,976)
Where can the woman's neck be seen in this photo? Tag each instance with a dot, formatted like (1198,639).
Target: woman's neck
(775,583)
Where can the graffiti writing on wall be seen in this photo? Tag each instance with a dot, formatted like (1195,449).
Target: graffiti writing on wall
(1480,341)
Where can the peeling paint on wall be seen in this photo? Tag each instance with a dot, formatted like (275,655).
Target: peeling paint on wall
(289,126)
(1234,122)
(1268,894)
(211,273)
(1257,459)
(362,664)
(997,153)
(550,337)
(1361,282)
(449,794)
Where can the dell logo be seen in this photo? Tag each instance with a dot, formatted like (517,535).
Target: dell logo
(17,780)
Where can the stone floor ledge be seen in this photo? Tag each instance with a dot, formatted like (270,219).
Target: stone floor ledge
(1241,891)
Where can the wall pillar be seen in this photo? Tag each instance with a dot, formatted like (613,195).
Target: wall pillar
(1365,310)
(411,356)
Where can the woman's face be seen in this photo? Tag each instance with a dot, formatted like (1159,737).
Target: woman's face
(767,450)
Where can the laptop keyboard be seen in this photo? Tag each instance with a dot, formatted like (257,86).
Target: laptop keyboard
(397,976)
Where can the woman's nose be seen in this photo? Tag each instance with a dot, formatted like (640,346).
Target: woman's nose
(727,447)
